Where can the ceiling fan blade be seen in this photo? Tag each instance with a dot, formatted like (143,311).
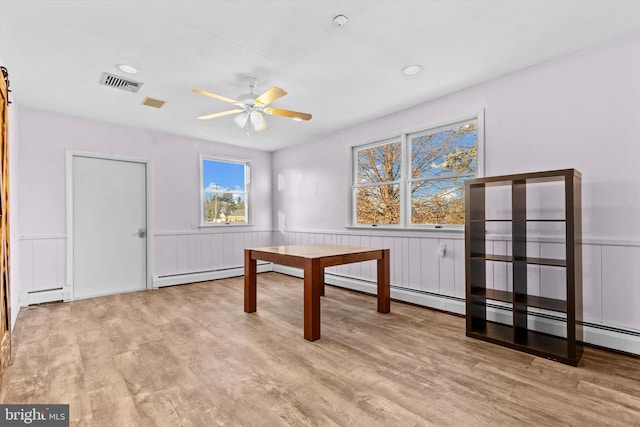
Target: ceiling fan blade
(287,113)
(258,121)
(269,96)
(218,97)
(223,113)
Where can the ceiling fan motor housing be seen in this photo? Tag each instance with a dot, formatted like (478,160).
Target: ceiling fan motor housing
(248,99)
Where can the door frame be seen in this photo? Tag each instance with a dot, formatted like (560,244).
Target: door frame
(67,291)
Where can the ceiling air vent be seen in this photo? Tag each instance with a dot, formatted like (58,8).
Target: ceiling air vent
(118,82)
(152,102)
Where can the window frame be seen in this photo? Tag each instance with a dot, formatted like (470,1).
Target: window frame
(247,190)
(404,136)
(354,176)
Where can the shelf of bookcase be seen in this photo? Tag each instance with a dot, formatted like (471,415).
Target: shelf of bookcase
(545,303)
(535,301)
(532,342)
(493,294)
(528,260)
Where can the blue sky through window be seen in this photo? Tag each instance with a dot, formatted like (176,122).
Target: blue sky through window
(225,174)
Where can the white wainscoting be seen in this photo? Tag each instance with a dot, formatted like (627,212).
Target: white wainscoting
(611,271)
(184,257)
(611,274)
(180,257)
(41,264)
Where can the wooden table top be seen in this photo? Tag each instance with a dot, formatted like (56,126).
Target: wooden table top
(314,250)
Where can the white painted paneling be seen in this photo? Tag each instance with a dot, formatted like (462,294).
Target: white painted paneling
(217,249)
(61,248)
(42,262)
(428,270)
(419,269)
(167,261)
(45,257)
(182,254)
(193,252)
(459,269)
(621,289)
(553,280)
(447,265)
(26,265)
(592,283)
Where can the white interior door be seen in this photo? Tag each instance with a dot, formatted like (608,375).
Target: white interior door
(109,220)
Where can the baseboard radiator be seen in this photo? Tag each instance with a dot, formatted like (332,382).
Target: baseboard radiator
(614,338)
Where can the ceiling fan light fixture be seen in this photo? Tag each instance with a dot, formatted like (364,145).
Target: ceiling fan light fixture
(257,121)
(241,119)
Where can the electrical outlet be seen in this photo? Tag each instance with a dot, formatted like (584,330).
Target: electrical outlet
(442,249)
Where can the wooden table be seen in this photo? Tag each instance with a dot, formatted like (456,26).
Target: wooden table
(313,259)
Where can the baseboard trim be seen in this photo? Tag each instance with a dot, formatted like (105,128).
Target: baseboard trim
(605,336)
(39,297)
(204,276)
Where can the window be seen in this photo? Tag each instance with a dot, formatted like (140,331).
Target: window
(417,179)
(377,188)
(224,191)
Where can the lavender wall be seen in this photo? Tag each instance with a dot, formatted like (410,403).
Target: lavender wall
(44,137)
(578,112)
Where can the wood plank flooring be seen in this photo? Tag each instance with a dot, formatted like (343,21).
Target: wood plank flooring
(189,356)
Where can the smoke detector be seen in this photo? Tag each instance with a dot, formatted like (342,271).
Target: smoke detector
(340,20)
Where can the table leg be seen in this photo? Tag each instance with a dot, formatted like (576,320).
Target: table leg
(384,282)
(312,284)
(250,271)
(322,282)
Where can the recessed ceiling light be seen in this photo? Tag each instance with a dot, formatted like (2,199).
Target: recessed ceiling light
(129,69)
(410,70)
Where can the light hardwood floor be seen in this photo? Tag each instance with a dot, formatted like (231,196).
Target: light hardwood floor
(189,356)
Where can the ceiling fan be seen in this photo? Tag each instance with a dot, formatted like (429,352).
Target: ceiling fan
(251,106)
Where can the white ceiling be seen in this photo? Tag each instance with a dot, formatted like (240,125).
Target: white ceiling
(56,52)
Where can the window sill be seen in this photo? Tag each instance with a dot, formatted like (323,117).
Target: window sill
(225,225)
(428,229)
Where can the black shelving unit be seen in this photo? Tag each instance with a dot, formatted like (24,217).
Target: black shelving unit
(516,334)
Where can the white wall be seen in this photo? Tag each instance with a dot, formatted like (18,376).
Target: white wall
(580,112)
(44,138)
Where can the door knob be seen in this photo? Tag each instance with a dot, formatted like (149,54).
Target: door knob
(142,233)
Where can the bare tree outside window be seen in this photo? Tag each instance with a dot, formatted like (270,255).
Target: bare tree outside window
(438,162)
(378,192)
